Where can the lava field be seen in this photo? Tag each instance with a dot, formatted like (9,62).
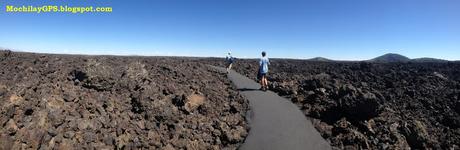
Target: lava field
(111,102)
(364,105)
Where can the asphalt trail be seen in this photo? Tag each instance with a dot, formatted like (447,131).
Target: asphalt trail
(275,122)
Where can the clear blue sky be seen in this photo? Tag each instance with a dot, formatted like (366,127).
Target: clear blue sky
(337,29)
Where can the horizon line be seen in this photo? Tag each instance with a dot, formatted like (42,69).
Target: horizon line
(198,56)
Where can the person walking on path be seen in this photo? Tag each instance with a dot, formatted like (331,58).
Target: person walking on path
(229,59)
(263,70)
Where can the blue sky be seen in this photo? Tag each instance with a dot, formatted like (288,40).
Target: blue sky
(336,29)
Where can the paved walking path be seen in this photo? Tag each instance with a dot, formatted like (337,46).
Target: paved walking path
(275,122)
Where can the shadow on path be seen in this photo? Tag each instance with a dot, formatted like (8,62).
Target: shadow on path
(247,89)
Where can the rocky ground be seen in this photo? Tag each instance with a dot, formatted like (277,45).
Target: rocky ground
(361,105)
(107,102)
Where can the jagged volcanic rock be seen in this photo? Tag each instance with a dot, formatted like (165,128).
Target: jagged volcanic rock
(108,102)
(365,105)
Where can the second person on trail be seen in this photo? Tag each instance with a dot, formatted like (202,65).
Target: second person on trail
(263,70)
(229,59)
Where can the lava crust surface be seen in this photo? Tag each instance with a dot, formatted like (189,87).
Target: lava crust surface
(108,102)
(362,105)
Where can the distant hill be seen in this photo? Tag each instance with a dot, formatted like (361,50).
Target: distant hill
(391,57)
(427,59)
(319,59)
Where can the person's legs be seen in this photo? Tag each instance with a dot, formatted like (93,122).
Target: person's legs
(229,66)
(261,81)
(265,82)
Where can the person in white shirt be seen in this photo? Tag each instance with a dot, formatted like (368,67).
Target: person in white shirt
(229,59)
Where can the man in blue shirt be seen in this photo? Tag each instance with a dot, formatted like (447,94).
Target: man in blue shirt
(263,70)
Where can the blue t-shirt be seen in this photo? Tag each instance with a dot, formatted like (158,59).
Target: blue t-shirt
(263,64)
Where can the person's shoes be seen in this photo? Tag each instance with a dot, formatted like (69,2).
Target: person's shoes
(263,89)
